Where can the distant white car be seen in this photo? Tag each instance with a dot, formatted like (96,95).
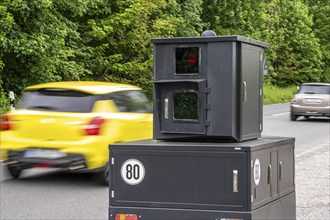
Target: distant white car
(312,99)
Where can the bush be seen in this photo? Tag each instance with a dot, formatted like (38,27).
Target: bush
(4,102)
(273,95)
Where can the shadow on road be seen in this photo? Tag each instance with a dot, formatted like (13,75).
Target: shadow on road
(314,119)
(48,177)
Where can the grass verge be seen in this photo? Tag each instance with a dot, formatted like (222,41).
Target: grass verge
(274,95)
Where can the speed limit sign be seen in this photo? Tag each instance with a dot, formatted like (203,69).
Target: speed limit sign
(132,171)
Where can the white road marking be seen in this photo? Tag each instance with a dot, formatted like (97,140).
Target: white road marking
(313,149)
(285,113)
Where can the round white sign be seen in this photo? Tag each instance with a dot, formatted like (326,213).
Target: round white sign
(256,172)
(132,171)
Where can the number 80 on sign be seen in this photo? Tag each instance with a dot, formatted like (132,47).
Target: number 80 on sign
(132,171)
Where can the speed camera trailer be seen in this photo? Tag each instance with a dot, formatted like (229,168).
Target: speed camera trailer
(207,159)
(165,180)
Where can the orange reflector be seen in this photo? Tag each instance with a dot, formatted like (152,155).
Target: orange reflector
(126,217)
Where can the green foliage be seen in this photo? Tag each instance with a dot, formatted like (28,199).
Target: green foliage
(45,40)
(4,102)
(320,10)
(232,17)
(38,44)
(298,54)
(119,39)
(273,95)
(294,55)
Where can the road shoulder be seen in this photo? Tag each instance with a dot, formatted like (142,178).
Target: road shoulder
(313,184)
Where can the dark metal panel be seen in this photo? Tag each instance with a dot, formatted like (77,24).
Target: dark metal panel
(251,96)
(202,180)
(283,208)
(178,214)
(286,166)
(265,142)
(222,79)
(260,173)
(163,59)
(210,39)
(274,173)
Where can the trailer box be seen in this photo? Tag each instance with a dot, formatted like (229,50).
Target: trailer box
(166,180)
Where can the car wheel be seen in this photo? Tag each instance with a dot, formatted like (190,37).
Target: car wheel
(103,176)
(293,117)
(14,171)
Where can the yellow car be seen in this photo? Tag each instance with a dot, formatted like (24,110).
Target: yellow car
(71,124)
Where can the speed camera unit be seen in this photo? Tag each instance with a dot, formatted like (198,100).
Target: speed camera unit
(208,88)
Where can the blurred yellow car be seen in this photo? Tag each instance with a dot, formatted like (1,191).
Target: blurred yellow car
(71,124)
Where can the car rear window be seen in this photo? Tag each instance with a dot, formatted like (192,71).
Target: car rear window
(131,101)
(314,89)
(60,100)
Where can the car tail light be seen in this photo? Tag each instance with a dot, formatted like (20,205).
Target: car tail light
(42,165)
(94,126)
(126,217)
(4,123)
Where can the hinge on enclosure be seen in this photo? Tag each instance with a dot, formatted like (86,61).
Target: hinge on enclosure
(112,161)
(207,90)
(260,127)
(260,92)
(207,123)
(261,57)
(207,107)
(112,194)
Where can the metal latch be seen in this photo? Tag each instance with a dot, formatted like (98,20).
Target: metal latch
(235,180)
(166,108)
(244,92)
(270,175)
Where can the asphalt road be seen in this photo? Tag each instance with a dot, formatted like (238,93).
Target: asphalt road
(53,194)
(309,133)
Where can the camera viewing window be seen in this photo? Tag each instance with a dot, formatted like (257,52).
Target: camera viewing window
(187,60)
(185,105)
